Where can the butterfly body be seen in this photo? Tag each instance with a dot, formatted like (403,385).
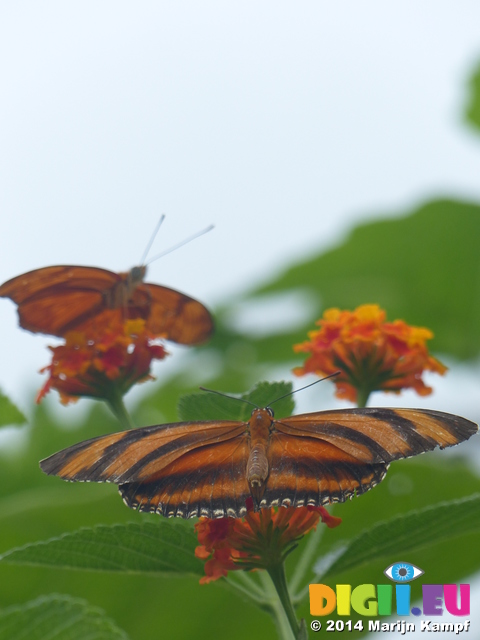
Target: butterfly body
(213,469)
(261,426)
(57,299)
(119,295)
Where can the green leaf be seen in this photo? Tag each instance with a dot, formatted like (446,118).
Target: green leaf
(155,548)
(421,268)
(57,617)
(411,531)
(211,406)
(9,414)
(472,112)
(302,632)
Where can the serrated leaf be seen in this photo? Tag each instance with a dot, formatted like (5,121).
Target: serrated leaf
(411,531)
(165,546)
(9,414)
(57,617)
(265,394)
(211,406)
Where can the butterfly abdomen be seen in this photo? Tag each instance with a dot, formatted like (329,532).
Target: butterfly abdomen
(257,464)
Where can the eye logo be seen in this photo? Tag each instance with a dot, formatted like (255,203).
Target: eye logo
(403,572)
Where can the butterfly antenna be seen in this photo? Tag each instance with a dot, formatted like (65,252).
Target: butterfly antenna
(332,375)
(152,238)
(225,395)
(180,244)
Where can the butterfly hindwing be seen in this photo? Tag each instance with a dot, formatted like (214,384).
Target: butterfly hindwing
(309,471)
(208,481)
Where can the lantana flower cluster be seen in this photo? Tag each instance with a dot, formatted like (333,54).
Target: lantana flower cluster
(110,352)
(368,353)
(257,541)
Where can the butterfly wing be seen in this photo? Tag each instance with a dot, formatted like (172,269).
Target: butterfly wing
(208,481)
(184,469)
(328,456)
(55,299)
(307,471)
(172,314)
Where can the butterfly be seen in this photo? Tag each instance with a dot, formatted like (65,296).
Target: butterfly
(58,299)
(216,468)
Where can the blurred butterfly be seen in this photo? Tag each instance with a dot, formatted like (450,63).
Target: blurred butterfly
(55,300)
(58,299)
(215,469)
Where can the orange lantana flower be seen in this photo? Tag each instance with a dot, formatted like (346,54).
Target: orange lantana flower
(369,353)
(110,353)
(257,541)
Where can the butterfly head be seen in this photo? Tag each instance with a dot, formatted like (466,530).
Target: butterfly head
(137,274)
(261,419)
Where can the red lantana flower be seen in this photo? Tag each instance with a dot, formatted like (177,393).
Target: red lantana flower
(370,353)
(257,541)
(109,353)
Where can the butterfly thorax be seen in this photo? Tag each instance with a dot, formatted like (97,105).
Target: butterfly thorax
(257,466)
(118,296)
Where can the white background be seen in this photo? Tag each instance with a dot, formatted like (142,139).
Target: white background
(283,123)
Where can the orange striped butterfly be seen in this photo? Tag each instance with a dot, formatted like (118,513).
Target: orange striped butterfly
(216,468)
(55,300)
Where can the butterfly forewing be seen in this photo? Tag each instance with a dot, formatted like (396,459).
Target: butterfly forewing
(379,435)
(201,468)
(138,454)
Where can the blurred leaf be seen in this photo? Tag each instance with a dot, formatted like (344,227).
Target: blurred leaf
(411,531)
(163,547)
(59,617)
(9,414)
(211,406)
(422,268)
(472,112)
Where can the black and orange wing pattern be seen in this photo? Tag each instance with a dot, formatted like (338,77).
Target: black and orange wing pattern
(57,299)
(200,468)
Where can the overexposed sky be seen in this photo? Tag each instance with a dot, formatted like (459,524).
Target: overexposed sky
(282,123)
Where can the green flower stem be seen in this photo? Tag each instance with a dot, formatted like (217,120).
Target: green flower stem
(115,402)
(362,397)
(275,609)
(245,583)
(277,575)
(305,561)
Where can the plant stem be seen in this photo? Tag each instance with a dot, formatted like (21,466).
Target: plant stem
(362,397)
(246,585)
(305,562)
(275,608)
(117,406)
(277,575)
